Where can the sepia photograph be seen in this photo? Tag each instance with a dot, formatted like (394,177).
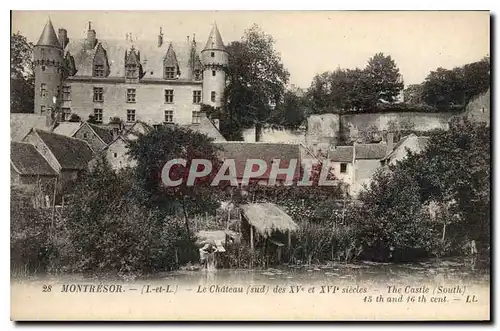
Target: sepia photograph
(250,165)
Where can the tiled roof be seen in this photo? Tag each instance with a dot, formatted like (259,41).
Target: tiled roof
(21,124)
(340,154)
(208,128)
(421,143)
(28,161)
(71,153)
(67,129)
(370,151)
(242,151)
(363,152)
(151,56)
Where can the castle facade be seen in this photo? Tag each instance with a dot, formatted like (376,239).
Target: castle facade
(150,81)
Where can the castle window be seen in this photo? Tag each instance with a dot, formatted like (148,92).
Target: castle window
(169,72)
(66,114)
(343,167)
(131,71)
(66,93)
(197,74)
(43,90)
(169,116)
(169,96)
(213,73)
(212,96)
(98,94)
(196,97)
(98,115)
(42,110)
(98,70)
(196,117)
(130,115)
(131,95)
(115,154)
(212,54)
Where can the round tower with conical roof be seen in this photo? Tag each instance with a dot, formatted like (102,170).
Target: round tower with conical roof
(215,60)
(48,59)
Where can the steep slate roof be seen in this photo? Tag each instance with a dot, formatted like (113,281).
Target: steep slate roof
(152,57)
(48,36)
(67,129)
(21,124)
(243,151)
(71,153)
(103,133)
(208,128)
(363,152)
(214,39)
(26,160)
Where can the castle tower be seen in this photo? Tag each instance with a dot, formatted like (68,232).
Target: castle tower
(48,59)
(215,59)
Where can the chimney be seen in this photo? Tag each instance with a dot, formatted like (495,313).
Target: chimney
(390,142)
(91,37)
(115,132)
(160,38)
(63,37)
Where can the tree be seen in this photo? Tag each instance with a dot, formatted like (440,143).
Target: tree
(413,94)
(153,150)
(291,113)
(256,80)
(454,173)
(445,88)
(385,80)
(22,79)
(108,230)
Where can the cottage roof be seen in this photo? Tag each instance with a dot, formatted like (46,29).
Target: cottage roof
(421,144)
(152,56)
(214,40)
(243,151)
(267,218)
(340,154)
(21,124)
(207,128)
(71,153)
(26,160)
(363,152)
(48,36)
(105,134)
(67,129)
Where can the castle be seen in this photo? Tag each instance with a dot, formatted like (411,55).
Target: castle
(130,80)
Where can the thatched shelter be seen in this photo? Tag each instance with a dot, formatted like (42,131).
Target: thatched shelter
(268,221)
(267,218)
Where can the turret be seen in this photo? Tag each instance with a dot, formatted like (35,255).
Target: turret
(215,60)
(48,60)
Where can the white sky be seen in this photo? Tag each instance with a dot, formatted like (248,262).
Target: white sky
(309,42)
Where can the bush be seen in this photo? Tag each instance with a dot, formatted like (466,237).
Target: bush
(31,245)
(318,243)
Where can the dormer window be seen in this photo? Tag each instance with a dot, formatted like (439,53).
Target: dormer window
(131,71)
(98,70)
(170,72)
(197,74)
